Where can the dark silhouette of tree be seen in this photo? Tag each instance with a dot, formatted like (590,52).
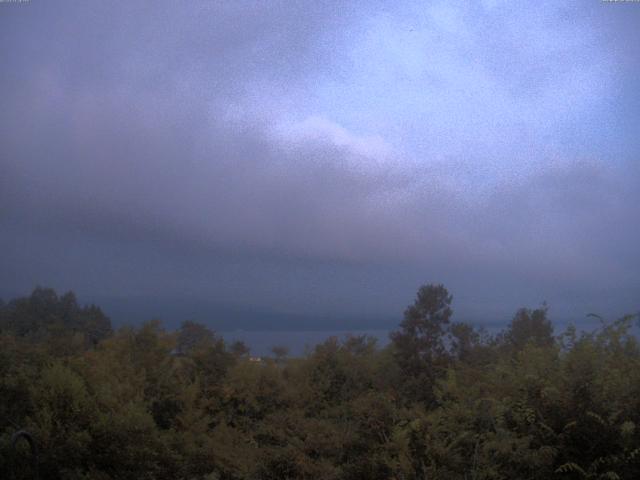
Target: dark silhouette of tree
(464,341)
(419,344)
(44,315)
(280,352)
(360,344)
(239,349)
(530,326)
(193,336)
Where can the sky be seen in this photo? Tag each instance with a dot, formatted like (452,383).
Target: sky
(308,165)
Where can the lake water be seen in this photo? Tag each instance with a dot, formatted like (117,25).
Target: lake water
(261,342)
(298,342)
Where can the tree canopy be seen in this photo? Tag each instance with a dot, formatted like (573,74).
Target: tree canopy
(444,400)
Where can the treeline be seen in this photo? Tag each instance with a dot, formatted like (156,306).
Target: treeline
(443,400)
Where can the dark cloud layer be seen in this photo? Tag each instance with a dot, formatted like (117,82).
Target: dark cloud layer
(200,152)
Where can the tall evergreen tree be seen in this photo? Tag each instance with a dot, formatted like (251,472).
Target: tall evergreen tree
(419,344)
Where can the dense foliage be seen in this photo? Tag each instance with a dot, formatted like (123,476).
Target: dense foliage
(442,401)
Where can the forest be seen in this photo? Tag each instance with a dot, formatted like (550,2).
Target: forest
(444,400)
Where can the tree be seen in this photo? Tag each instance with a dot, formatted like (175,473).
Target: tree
(530,326)
(58,320)
(193,336)
(94,324)
(239,349)
(465,341)
(280,352)
(419,344)
(360,344)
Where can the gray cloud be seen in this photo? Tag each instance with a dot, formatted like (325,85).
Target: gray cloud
(152,150)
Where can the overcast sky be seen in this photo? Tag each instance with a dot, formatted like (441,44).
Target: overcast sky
(322,159)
